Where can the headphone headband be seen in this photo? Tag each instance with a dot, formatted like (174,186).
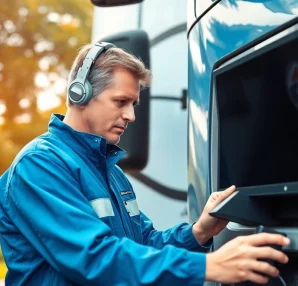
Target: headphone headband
(80,89)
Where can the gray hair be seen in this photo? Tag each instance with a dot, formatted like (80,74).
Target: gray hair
(101,73)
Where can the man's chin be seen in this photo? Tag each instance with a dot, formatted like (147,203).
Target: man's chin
(114,142)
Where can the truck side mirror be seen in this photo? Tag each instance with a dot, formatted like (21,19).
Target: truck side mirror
(112,3)
(135,140)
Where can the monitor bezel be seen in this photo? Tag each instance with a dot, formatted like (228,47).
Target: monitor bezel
(280,39)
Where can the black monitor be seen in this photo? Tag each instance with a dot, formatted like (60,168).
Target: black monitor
(254,132)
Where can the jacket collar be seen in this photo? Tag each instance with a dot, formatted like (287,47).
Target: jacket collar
(93,146)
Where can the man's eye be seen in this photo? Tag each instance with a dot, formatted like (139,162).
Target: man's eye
(120,102)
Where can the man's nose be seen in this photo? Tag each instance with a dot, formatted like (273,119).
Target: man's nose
(129,114)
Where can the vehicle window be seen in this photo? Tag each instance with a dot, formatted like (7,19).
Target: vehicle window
(201,6)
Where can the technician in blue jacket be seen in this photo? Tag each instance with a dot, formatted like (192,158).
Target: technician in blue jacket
(69,215)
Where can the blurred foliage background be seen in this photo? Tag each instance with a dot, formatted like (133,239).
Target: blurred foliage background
(39,39)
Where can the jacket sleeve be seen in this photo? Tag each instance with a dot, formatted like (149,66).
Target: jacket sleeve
(180,236)
(47,205)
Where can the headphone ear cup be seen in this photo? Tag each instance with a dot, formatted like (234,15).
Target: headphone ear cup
(88,93)
(76,92)
(80,94)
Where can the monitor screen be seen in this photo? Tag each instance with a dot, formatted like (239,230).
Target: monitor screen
(257,105)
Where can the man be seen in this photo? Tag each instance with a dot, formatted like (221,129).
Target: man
(69,215)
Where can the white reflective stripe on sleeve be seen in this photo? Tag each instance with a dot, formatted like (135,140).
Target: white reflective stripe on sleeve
(132,207)
(103,207)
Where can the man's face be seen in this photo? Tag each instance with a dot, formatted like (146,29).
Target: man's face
(109,114)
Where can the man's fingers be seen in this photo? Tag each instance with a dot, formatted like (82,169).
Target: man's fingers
(264,268)
(224,194)
(270,253)
(258,271)
(267,239)
(257,278)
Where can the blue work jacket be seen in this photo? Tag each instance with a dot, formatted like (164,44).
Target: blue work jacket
(69,216)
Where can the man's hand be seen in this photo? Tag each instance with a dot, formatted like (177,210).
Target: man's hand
(208,226)
(237,260)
